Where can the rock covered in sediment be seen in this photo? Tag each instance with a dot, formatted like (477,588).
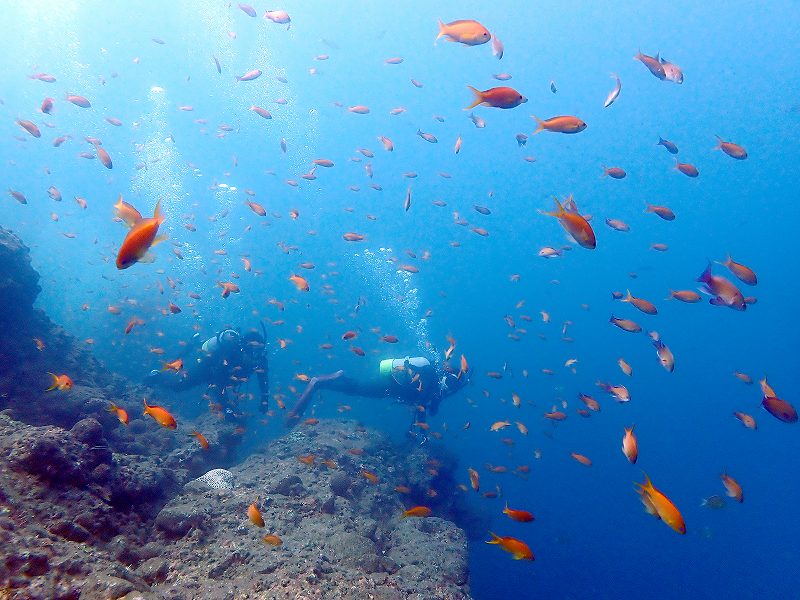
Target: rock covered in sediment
(70,508)
(338,541)
(19,282)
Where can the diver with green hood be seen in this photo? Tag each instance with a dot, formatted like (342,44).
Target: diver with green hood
(223,362)
(414,381)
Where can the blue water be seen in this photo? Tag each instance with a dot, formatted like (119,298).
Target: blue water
(591,537)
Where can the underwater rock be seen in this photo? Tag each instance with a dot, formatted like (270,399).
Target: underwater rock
(328,550)
(340,484)
(177,520)
(289,486)
(19,282)
(142,534)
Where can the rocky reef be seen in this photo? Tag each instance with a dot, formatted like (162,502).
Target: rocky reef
(94,509)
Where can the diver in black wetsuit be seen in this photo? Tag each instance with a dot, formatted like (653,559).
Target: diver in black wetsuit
(412,380)
(223,362)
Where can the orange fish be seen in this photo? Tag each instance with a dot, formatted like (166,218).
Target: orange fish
(497,97)
(140,239)
(160,415)
(662,211)
(665,356)
(201,439)
(523,516)
(228,288)
(732,487)
(584,460)
(517,548)
(62,383)
(464,31)
(657,504)
(630,447)
(576,226)
(272,540)
(731,149)
(686,168)
(643,305)
(565,124)
(369,476)
(746,420)
(474,479)
(31,127)
(685,296)
(625,324)
(590,402)
(723,292)
(176,365)
(417,511)
(121,413)
(299,282)
(307,459)
(555,415)
(255,515)
(743,273)
(625,367)
(653,65)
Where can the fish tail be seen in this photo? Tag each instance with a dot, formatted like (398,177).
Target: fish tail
(495,539)
(671,295)
(628,297)
(55,382)
(540,125)
(478,98)
(112,407)
(442,30)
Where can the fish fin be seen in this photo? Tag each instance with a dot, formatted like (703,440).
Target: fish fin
(158,215)
(442,30)
(559,213)
(671,295)
(55,382)
(478,98)
(147,258)
(705,276)
(495,539)
(158,239)
(540,125)
(627,298)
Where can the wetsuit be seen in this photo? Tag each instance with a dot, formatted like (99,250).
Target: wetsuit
(412,380)
(223,362)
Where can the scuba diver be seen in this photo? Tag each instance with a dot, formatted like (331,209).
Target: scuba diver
(223,362)
(411,380)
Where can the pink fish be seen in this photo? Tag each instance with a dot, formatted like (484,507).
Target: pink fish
(249,76)
(723,292)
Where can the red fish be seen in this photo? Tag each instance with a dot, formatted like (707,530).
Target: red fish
(140,239)
(517,548)
(563,124)
(575,225)
(723,292)
(497,97)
